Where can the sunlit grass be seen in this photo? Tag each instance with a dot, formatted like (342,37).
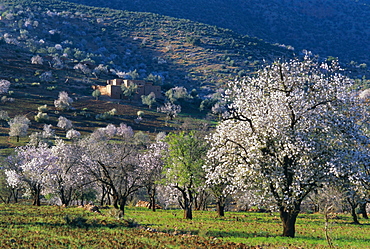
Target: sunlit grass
(25,226)
(258,228)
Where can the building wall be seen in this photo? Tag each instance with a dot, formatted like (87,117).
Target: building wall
(114,91)
(113,88)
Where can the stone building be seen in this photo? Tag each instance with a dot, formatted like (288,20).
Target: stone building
(113,88)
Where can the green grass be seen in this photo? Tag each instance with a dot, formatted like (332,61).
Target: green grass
(260,228)
(23,226)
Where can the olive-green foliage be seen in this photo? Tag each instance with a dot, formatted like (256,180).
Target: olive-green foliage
(96,94)
(42,108)
(129,91)
(148,100)
(41,117)
(185,158)
(106,115)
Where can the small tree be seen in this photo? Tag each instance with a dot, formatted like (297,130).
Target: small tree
(83,67)
(19,126)
(4,86)
(170,109)
(152,161)
(33,168)
(116,166)
(42,108)
(64,102)
(178,94)
(46,76)
(148,100)
(183,167)
(101,69)
(64,123)
(125,131)
(44,137)
(129,91)
(73,134)
(96,94)
(219,183)
(156,79)
(37,59)
(4,117)
(134,74)
(41,117)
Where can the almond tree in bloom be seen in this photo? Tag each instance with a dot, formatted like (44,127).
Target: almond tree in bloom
(19,126)
(171,110)
(69,174)
(73,134)
(125,131)
(64,123)
(288,129)
(64,102)
(32,167)
(152,162)
(115,166)
(4,86)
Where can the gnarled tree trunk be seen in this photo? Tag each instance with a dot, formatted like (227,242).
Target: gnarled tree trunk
(36,195)
(188,214)
(353,205)
(220,208)
(151,192)
(122,204)
(289,219)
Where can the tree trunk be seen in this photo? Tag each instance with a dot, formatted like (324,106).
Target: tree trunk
(151,192)
(363,210)
(115,201)
(36,192)
(188,214)
(36,199)
(354,215)
(220,207)
(122,204)
(186,202)
(102,196)
(14,193)
(152,203)
(288,218)
(353,205)
(65,196)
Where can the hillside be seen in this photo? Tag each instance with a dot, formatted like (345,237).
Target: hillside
(180,51)
(51,46)
(329,28)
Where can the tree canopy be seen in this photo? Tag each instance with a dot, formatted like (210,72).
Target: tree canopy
(288,130)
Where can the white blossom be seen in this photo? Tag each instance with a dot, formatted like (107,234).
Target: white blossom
(289,129)
(64,123)
(64,102)
(4,86)
(73,134)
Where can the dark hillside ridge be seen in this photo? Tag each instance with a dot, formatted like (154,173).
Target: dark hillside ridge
(328,28)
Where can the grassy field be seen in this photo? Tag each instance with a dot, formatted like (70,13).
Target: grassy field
(23,226)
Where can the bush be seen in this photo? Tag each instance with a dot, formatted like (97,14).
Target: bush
(41,117)
(103,116)
(42,108)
